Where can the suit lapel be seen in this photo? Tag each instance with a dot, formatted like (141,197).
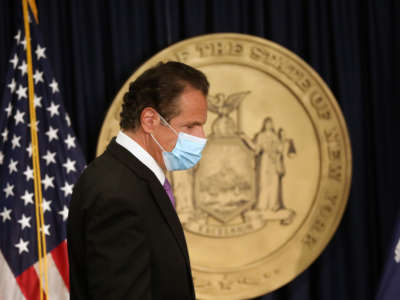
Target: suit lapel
(160,195)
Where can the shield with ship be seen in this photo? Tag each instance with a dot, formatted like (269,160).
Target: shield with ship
(224,182)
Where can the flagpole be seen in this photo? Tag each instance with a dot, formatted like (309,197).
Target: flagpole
(42,251)
(34,10)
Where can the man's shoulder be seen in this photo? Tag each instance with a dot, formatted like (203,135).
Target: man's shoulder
(108,173)
(108,166)
(115,173)
(106,179)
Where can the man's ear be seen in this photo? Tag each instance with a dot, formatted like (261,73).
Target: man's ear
(149,119)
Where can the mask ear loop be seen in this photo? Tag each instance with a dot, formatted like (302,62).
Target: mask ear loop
(167,124)
(161,147)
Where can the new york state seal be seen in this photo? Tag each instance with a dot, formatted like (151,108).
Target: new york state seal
(273,183)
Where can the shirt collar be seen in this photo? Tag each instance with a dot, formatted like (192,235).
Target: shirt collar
(142,155)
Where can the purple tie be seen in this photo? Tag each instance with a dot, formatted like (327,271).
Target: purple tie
(168,189)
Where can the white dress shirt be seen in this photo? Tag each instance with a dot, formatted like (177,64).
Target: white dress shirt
(142,155)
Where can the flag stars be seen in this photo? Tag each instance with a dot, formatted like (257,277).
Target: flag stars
(12,85)
(68,120)
(15,142)
(23,68)
(17,37)
(49,157)
(14,61)
(29,150)
(4,135)
(38,76)
(40,52)
(23,43)
(52,134)
(28,173)
(46,205)
(22,246)
(36,125)
(27,197)
(21,92)
(9,190)
(5,214)
(64,213)
(12,167)
(70,141)
(24,221)
(69,165)
(19,117)
(67,189)
(8,109)
(24,196)
(48,182)
(54,86)
(37,101)
(46,229)
(53,109)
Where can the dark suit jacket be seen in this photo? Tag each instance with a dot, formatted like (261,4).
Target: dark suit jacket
(125,240)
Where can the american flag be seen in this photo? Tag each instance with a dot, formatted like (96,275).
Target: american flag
(390,282)
(61,162)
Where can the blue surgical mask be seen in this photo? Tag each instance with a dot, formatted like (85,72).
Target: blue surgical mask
(186,153)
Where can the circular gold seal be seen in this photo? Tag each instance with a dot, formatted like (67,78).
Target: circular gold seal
(275,175)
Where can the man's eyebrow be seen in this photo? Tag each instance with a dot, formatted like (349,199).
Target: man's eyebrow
(194,123)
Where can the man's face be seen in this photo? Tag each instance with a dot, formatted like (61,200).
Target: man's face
(191,119)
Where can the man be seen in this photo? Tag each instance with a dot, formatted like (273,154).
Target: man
(125,240)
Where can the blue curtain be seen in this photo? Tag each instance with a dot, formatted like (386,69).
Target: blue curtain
(354,45)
